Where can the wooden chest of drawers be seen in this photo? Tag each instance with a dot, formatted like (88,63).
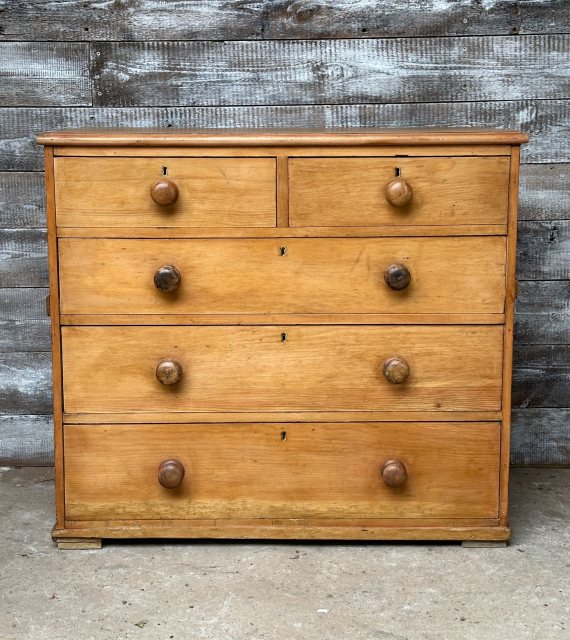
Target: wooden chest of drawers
(282,334)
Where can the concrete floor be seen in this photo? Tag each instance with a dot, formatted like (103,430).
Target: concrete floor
(286,591)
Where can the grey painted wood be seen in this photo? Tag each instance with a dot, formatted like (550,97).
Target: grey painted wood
(541,376)
(23,258)
(236,19)
(543,192)
(24,325)
(542,313)
(26,440)
(540,436)
(44,74)
(544,250)
(25,383)
(294,72)
(22,200)
(548,122)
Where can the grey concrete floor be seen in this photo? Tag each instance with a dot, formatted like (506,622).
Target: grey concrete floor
(289,591)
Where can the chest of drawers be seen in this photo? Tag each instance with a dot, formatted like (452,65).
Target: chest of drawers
(281,334)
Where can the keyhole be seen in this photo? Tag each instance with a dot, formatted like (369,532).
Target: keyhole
(284,337)
(283,436)
(282,251)
(397,172)
(164,171)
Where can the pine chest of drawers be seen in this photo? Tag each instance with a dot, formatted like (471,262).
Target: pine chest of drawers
(282,334)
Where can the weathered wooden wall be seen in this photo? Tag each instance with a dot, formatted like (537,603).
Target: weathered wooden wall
(241,63)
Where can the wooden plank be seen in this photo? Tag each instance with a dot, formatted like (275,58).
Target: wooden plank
(543,312)
(315,276)
(549,119)
(322,72)
(541,377)
(22,201)
(25,383)
(544,192)
(254,368)
(541,437)
(26,440)
(24,325)
(23,260)
(267,19)
(544,250)
(44,74)
(282,471)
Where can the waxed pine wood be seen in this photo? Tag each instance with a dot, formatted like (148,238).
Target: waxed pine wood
(282,471)
(314,276)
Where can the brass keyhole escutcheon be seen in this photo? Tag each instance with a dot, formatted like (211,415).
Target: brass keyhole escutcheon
(284,337)
(282,251)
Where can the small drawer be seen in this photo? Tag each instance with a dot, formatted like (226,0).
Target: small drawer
(290,368)
(261,276)
(355,192)
(165,192)
(371,470)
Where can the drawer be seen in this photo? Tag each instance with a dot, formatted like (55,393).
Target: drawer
(353,191)
(210,192)
(450,470)
(446,275)
(289,368)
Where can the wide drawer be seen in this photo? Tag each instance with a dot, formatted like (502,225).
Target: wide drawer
(290,368)
(212,192)
(447,275)
(353,191)
(282,471)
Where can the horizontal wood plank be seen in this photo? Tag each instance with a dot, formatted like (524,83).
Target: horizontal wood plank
(44,74)
(22,200)
(25,383)
(26,440)
(540,437)
(549,119)
(267,19)
(24,325)
(23,258)
(340,71)
(542,314)
(544,192)
(543,250)
(541,376)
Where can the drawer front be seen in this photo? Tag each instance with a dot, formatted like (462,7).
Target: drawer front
(282,471)
(269,368)
(446,275)
(211,192)
(353,191)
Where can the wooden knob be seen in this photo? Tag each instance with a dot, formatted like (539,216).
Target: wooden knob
(397,276)
(171,474)
(169,372)
(164,193)
(394,473)
(399,193)
(167,278)
(396,370)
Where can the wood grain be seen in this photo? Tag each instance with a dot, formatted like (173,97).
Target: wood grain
(23,258)
(323,72)
(544,250)
(26,440)
(289,19)
(540,437)
(445,191)
(321,276)
(220,192)
(22,200)
(24,325)
(25,383)
(111,369)
(543,313)
(543,192)
(316,471)
(44,74)
(541,377)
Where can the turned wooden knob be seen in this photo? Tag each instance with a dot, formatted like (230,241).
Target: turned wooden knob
(394,473)
(167,278)
(171,474)
(164,193)
(399,193)
(397,276)
(396,370)
(169,372)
